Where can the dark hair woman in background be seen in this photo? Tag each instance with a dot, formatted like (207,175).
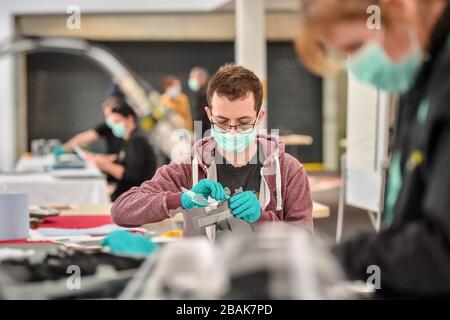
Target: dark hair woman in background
(136,161)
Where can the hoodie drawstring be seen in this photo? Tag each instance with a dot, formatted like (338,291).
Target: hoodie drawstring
(194,171)
(278,182)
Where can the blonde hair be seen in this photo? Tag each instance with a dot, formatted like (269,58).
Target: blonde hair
(317,16)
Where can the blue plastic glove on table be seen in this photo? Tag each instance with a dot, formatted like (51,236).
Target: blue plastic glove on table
(58,151)
(204,188)
(125,242)
(245,205)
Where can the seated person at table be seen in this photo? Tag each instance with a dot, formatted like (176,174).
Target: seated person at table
(176,100)
(136,161)
(274,184)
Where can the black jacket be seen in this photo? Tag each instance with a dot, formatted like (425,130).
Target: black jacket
(139,162)
(413,254)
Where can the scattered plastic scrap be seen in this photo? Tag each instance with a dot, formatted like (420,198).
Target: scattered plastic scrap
(201,200)
(97,231)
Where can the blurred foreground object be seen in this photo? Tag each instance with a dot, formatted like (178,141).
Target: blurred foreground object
(38,275)
(275,262)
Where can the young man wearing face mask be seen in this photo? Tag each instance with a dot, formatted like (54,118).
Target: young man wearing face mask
(176,100)
(409,56)
(274,184)
(136,161)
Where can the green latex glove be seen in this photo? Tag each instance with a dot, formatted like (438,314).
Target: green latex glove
(58,151)
(125,242)
(245,205)
(203,189)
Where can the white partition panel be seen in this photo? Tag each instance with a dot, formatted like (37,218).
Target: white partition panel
(367,145)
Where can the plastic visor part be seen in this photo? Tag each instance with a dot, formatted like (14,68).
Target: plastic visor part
(201,200)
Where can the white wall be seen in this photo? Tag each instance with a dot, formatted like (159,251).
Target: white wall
(7,100)
(367,145)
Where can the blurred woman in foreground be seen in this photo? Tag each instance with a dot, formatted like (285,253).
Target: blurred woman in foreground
(410,56)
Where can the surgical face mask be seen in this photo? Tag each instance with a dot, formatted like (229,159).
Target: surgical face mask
(118,129)
(236,142)
(193,84)
(174,91)
(371,64)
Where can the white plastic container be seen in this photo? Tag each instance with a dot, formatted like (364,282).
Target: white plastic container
(14,216)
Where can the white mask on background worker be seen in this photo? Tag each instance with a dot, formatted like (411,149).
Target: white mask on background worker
(121,122)
(198,79)
(119,129)
(173,91)
(193,84)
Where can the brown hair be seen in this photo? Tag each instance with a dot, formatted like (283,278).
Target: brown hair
(318,16)
(169,80)
(235,82)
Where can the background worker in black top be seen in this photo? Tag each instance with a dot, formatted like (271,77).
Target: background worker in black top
(102,130)
(136,161)
(413,252)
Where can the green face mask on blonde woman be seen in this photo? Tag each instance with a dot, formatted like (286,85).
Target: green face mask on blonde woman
(372,65)
(407,53)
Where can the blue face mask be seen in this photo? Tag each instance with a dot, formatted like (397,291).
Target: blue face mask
(193,85)
(174,91)
(372,65)
(118,129)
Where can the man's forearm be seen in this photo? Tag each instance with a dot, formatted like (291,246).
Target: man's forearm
(81,139)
